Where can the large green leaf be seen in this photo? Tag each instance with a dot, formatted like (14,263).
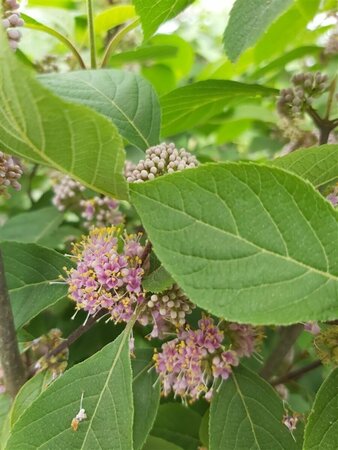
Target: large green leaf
(322,427)
(29,271)
(192,105)
(247,242)
(153,14)
(178,424)
(37,125)
(29,392)
(146,396)
(246,412)
(319,165)
(32,226)
(248,21)
(105,381)
(126,98)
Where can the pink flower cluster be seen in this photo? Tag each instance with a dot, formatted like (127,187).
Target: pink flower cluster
(243,338)
(108,274)
(189,364)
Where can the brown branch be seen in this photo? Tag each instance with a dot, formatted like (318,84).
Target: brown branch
(295,374)
(11,363)
(324,125)
(76,334)
(288,336)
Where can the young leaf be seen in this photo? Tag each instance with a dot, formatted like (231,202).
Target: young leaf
(246,242)
(146,396)
(192,105)
(105,381)
(319,165)
(112,17)
(126,98)
(29,392)
(158,281)
(248,21)
(178,424)
(37,125)
(246,412)
(32,226)
(322,426)
(29,271)
(153,14)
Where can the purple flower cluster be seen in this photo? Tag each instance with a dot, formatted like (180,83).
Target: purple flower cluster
(101,212)
(108,274)
(166,310)
(12,21)
(333,196)
(244,338)
(189,365)
(10,172)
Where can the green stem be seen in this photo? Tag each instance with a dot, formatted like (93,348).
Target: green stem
(91,34)
(116,40)
(332,92)
(61,38)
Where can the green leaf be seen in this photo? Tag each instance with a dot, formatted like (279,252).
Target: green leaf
(280,36)
(112,17)
(33,226)
(178,424)
(154,443)
(37,125)
(29,392)
(146,396)
(146,53)
(193,105)
(322,426)
(248,21)
(247,242)
(246,412)
(153,14)
(105,381)
(158,281)
(126,98)
(319,165)
(29,270)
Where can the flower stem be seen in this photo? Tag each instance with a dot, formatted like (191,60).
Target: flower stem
(116,40)
(11,363)
(91,34)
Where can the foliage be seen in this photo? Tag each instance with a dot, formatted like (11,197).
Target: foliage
(168,224)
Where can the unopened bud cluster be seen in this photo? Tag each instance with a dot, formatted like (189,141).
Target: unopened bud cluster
(189,365)
(294,101)
(160,159)
(42,348)
(10,172)
(166,311)
(108,274)
(97,211)
(100,212)
(12,21)
(67,192)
